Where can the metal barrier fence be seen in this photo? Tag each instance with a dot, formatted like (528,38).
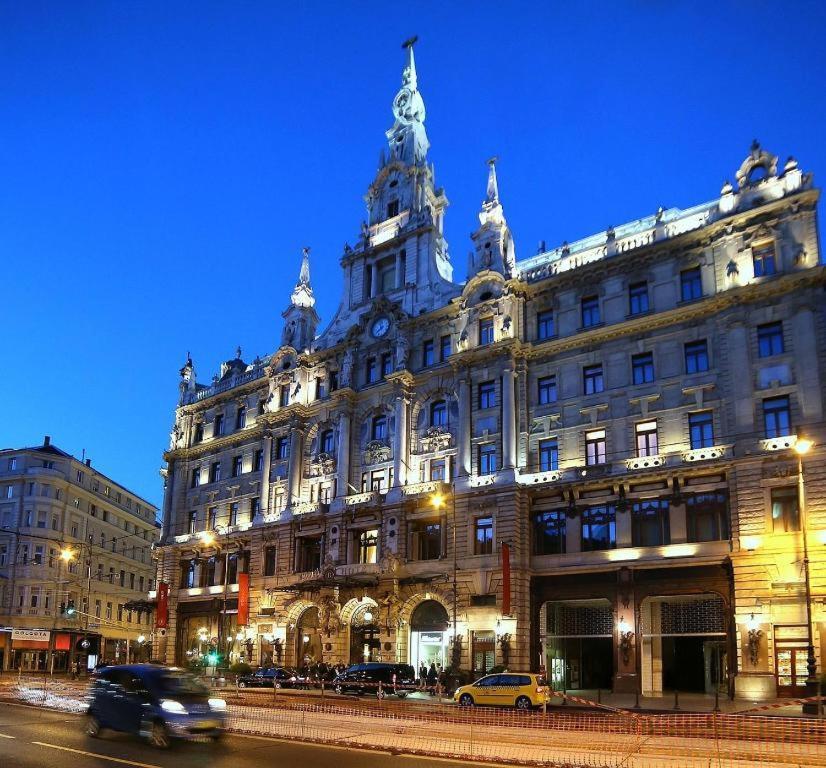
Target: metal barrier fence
(600,737)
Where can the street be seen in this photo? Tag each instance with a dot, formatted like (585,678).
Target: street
(31,738)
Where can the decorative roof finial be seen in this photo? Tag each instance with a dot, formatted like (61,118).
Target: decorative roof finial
(302,295)
(492,195)
(304,274)
(409,72)
(238,352)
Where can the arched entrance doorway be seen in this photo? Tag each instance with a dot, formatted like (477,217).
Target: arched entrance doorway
(428,634)
(365,644)
(308,637)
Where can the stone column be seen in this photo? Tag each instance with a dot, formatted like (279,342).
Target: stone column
(400,442)
(167,500)
(265,473)
(343,456)
(296,460)
(738,362)
(463,438)
(508,420)
(374,281)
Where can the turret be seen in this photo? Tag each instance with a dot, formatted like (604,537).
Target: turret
(300,318)
(494,248)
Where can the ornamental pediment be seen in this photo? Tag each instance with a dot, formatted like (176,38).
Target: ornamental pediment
(376,452)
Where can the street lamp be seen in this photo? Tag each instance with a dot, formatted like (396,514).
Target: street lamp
(801,447)
(438,501)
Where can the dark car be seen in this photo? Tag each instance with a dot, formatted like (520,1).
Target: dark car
(268,677)
(159,703)
(365,678)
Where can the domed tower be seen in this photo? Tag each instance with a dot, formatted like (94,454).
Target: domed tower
(300,318)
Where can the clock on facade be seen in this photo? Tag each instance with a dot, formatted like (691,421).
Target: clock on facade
(380,327)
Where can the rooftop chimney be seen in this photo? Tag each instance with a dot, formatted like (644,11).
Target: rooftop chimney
(88,462)
(46,441)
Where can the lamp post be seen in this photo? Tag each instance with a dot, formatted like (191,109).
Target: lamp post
(801,447)
(438,501)
(208,539)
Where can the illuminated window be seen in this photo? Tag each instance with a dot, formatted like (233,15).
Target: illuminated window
(646,434)
(763,259)
(595,447)
(193,522)
(785,509)
(483,538)
(367,546)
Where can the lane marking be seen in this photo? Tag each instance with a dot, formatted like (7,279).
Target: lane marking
(6,736)
(96,754)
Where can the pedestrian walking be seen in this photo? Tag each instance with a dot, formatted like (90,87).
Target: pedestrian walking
(422,676)
(432,677)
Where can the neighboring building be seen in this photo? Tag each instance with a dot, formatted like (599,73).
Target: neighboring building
(71,538)
(605,421)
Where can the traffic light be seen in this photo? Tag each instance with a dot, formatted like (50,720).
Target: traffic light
(213,659)
(70,608)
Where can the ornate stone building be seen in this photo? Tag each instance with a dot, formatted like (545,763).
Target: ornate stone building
(555,462)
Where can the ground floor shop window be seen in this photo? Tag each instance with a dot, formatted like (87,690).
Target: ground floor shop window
(429,635)
(483,652)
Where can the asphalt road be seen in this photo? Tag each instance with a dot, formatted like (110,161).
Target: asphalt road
(34,738)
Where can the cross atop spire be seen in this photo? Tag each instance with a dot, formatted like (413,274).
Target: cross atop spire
(409,72)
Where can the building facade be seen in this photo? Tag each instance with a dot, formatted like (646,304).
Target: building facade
(75,563)
(582,461)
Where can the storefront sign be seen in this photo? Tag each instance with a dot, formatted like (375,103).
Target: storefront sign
(506,579)
(162,611)
(30,638)
(243,599)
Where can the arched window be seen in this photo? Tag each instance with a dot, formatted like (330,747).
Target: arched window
(438,413)
(379,428)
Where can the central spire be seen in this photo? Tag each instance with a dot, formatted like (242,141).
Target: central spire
(407,138)
(302,295)
(409,73)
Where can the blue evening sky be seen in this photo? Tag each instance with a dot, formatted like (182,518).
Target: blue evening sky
(162,164)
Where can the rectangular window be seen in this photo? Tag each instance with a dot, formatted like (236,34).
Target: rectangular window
(255,508)
(282,448)
(237,465)
(192,525)
(371,374)
(487,459)
(590,311)
(642,368)
(444,348)
(487,394)
(770,339)
(320,393)
(650,523)
(549,532)
(258,460)
(438,414)
(595,447)
(599,528)
(544,324)
(548,455)
(378,480)
(696,356)
(368,546)
(691,285)
(218,425)
(379,430)
(215,472)
(195,480)
(483,539)
(9,491)
(638,298)
(777,418)
(701,429)
(646,438)
(437,470)
(486,331)
(308,553)
(426,540)
(386,365)
(763,259)
(270,561)
(707,516)
(785,510)
(284,395)
(233,513)
(199,432)
(546,390)
(212,518)
(327,442)
(392,209)
(241,417)
(592,380)
(428,351)
(12,464)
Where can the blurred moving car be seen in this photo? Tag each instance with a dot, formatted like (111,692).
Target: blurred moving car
(159,703)
(269,677)
(365,678)
(523,690)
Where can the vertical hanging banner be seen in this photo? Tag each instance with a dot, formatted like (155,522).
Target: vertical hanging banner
(162,611)
(506,579)
(243,599)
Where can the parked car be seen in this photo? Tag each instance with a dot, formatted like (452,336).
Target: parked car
(269,677)
(159,703)
(365,678)
(523,690)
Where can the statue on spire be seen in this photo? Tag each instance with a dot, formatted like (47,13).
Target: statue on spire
(300,318)
(302,295)
(407,138)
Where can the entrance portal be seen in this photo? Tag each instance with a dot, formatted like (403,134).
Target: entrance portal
(308,638)
(428,635)
(578,644)
(365,644)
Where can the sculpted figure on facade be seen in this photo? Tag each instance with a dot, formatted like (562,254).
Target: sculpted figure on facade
(346,375)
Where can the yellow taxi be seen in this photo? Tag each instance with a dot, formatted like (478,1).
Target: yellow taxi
(522,690)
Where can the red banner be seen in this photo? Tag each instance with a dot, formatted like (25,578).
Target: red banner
(506,579)
(243,599)
(162,611)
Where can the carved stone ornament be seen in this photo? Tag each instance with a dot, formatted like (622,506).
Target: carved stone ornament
(376,452)
(323,464)
(329,614)
(436,439)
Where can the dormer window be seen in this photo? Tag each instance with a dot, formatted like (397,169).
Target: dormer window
(392,209)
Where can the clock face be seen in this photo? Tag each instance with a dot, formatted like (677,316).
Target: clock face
(380,327)
(402,106)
